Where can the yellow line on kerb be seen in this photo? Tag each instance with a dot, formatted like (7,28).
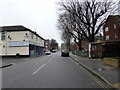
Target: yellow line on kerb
(100,83)
(97,81)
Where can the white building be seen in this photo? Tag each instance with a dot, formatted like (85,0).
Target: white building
(19,40)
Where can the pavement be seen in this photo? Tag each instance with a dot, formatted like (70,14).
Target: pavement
(107,73)
(9,61)
(13,60)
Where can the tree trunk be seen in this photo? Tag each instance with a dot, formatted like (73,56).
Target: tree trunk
(80,47)
(78,43)
(91,38)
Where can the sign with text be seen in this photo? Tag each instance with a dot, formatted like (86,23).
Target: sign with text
(18,43)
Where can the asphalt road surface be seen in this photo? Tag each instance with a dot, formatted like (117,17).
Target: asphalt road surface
(49,71)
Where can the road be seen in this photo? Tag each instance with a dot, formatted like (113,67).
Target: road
(49,71)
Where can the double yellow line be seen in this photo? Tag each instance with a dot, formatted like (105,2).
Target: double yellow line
(97,81)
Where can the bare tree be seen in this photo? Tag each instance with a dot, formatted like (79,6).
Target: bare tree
(53,44)
(89,16)
(67,25)
(66,37)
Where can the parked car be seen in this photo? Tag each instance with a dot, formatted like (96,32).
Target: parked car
(54,50)
(64,53)
(47,52)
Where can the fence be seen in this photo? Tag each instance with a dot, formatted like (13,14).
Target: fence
(83,53)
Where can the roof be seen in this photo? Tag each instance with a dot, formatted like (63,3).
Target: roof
(116,16)
(17,28)
(98,42)
(13,28)
(113,16)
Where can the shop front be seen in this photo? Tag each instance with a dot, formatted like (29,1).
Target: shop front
(104,49)
(35,50)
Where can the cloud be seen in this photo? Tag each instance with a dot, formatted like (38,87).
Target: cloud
(39,15)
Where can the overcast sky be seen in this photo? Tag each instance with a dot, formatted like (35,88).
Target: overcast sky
(37,15)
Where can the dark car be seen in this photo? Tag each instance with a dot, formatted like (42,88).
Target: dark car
(64,53)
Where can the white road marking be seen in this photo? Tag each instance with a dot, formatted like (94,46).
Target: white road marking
(39,69)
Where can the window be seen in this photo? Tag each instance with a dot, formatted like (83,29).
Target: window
(36,38)
(0,36)
(40,40)
(3,36)
(114,26)
(106,29)
(32,36)
(115,36)
(107,37)
(26,35)
(119,20)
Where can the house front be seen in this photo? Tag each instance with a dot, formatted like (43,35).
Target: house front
(19,40)
(47,44)
(110,47)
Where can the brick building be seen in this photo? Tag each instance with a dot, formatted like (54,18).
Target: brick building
(110,47)
(47,44)
(111,28)
(73,46)
(85,42)
(111,33)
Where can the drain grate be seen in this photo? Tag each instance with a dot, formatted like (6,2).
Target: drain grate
(99,69)
(103,68)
